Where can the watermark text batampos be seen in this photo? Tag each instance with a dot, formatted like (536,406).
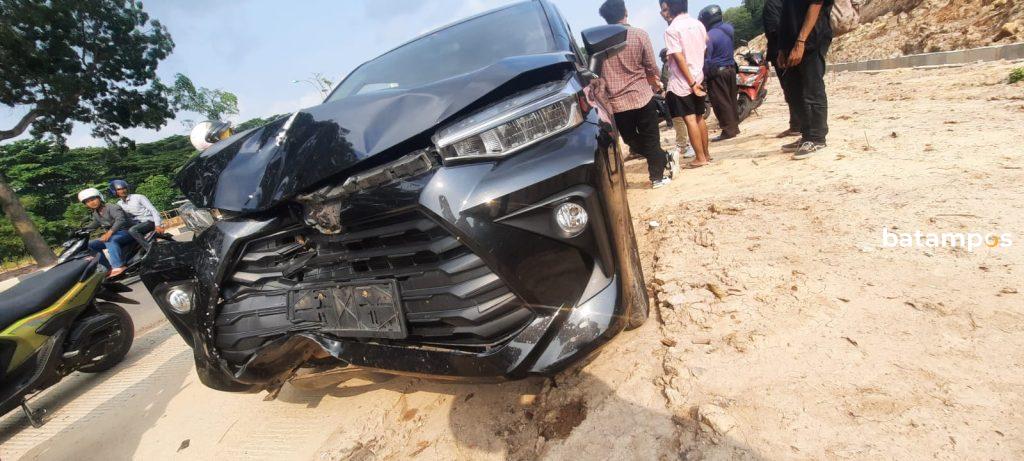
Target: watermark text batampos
(967,240)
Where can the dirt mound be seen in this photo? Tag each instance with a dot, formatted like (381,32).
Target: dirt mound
(895,28)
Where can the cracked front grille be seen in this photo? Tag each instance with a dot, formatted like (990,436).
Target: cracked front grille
(449,296)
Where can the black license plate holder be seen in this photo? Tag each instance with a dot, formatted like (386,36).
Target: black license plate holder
(370,309)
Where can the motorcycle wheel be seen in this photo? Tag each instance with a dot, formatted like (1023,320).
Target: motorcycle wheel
(744,106)
(125,332)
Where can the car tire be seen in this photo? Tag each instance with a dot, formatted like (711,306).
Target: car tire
(126,336)
(632,286)
(635,295)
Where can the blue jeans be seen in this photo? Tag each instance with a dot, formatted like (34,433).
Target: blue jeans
(120,239)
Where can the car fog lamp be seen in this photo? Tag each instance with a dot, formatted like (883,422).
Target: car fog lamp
(571,218)
(179,300)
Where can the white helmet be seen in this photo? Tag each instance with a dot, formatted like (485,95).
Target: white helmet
(206,134)
(89,193)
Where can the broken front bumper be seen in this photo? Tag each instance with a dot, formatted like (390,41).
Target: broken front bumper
(491,289)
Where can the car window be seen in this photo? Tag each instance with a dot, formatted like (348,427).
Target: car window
(464,47)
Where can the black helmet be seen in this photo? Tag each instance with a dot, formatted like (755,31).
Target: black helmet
(710,15)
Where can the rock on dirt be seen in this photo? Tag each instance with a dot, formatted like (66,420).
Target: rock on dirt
(715,420)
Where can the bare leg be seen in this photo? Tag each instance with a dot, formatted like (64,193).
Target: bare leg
(704,137)
(698,139)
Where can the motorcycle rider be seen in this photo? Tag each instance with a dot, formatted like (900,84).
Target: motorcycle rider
(720,71)
(140,209)
(116,238)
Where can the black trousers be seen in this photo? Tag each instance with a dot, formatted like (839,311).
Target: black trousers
(791,94)
(639,129)
(139,231)
(809,83)
(722,94)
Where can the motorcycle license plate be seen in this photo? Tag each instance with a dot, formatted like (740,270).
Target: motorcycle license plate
(358,309)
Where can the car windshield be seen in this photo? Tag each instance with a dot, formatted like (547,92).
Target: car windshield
(464,47)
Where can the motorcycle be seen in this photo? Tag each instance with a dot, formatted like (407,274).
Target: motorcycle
(77,247)
(752,83)
(53,323)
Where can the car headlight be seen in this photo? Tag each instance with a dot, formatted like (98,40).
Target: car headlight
(513,123)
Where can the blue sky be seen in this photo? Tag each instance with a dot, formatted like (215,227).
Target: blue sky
(255,48)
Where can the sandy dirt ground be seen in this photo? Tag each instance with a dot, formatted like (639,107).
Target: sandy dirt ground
(784,328)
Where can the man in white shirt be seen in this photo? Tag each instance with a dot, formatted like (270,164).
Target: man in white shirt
(139,209)
(686,40)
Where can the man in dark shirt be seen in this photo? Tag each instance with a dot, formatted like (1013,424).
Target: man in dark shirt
(720,71)
(770,19)
(116,238)
(804,39)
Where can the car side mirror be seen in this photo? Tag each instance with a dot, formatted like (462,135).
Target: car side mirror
(602,42)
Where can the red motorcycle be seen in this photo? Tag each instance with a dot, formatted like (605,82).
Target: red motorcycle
(752,83)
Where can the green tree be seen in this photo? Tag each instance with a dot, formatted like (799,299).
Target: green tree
(741,20)
(88,61)
(211,104)
(11,246)
(159,190)
(756,9)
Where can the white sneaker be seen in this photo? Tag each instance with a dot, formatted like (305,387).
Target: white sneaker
(662,183)
(690,153)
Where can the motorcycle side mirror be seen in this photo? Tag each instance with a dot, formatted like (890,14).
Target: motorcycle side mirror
(602,42)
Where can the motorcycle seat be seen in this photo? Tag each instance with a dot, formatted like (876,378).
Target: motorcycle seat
(39,291)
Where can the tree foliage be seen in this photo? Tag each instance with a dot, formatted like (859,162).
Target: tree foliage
(159,190)
(48,176)
(756,9)
(211,104)
(77,61)
(741,20)
(87,61)
(746,19)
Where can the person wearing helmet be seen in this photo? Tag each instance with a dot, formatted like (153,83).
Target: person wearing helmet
(112,218)
(139,209)
(720,71)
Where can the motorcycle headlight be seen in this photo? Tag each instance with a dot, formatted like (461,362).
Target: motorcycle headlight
(512,124)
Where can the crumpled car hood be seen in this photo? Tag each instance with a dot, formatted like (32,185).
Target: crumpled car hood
(257,169)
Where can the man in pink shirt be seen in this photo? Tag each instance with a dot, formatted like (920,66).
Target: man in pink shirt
(686,40)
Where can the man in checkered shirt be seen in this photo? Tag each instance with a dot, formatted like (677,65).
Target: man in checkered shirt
(632,78)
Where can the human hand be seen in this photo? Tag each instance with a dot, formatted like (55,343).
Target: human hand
(159,230)
(782,59)
(105,237)
(796,55)
(698,90)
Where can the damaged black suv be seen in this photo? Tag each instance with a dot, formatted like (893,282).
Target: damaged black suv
(455,208)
